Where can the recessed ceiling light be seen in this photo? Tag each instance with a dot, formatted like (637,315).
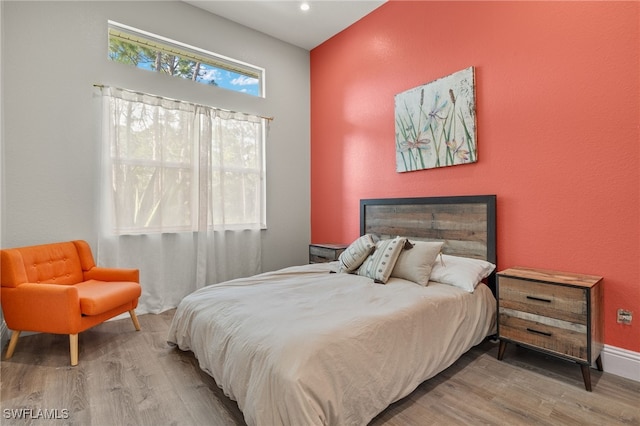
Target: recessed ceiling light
(304,6)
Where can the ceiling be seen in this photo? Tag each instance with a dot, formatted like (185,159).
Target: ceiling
(285,20)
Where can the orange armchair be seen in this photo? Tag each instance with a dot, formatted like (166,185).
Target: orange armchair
(57,288)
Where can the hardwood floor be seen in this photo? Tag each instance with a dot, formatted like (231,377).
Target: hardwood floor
(126,377)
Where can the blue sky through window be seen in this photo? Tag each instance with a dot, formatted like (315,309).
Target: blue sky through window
(225,79)
(230,80)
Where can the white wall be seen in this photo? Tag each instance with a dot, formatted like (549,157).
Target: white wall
(3,326)
(54,51)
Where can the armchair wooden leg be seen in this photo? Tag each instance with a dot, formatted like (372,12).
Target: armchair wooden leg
(12,344)
(73,346)
(134,318)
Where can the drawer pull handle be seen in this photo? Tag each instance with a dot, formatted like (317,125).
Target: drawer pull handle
(539,299)
(531,330)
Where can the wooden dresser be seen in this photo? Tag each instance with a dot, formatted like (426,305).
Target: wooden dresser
(320,253)
(558,313)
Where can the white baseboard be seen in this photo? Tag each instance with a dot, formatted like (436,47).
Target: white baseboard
(621,362)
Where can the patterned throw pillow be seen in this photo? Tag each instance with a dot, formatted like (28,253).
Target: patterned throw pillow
(380,263)
(356,253)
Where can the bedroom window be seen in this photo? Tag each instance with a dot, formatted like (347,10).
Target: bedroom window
(172,166)
(152,52)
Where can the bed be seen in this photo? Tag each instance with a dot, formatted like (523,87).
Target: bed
(315,345)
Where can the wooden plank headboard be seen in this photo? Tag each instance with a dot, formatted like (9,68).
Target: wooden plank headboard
(466,224)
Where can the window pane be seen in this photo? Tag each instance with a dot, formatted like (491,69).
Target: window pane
(154,133)
(239,196)
(241,147)
(153,198)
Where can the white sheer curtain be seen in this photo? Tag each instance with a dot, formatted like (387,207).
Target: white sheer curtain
(182,195)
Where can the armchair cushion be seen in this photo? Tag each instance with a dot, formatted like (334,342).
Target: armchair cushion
(97,297)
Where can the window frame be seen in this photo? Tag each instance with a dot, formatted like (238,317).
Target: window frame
(157,42)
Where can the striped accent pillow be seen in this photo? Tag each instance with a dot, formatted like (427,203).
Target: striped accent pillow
(380,263)
(356,253)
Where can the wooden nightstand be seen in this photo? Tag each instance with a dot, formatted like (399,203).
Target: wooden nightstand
(558,313)
(320,253)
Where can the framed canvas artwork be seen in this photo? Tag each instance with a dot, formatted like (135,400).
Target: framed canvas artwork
(436,123)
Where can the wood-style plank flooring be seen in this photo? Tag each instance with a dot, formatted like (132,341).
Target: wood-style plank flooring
(126,377)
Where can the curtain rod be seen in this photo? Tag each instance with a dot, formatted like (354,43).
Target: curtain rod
(102,86)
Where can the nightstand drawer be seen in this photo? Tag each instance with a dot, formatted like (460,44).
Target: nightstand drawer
(554,301)
(563,338)
(319,253)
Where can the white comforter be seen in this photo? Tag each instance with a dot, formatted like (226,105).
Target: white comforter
(301,346)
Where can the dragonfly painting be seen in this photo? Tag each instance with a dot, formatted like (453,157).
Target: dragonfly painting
(436,123)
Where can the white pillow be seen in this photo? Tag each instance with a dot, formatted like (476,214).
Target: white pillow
(463,272)
(415,263)
(380,263)
(356,253)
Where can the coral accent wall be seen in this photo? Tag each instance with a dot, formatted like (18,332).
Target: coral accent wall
(558,93)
